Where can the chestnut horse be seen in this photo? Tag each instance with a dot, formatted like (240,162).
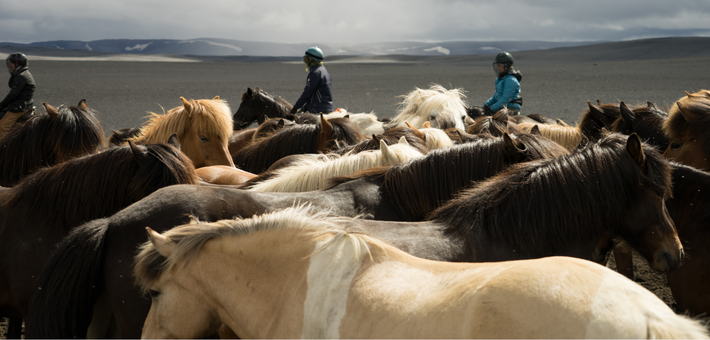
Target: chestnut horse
(40,210)
(49,139)
(687,127)
(290,274)
(202,126)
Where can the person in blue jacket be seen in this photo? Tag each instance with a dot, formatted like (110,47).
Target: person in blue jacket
(317,96)
(507,87)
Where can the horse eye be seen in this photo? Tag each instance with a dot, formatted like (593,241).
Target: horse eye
(204,139)
(675,146)
(153,293)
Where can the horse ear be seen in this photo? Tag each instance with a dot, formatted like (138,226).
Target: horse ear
(634,147)
(281,123)
(138,154)
(688,115)
(599,102)
(416,131)
(651,105)
(50,109)
(325,126)
(250,92)
(186,104)
(162,244)
(626,114)
(82,104)
(535,130)
(512,145)
(403,140)
(597,113)
(426,125)
(375,138)
(385,149)
(174,141)
(469,121)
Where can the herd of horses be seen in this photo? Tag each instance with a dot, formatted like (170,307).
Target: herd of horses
(435,223)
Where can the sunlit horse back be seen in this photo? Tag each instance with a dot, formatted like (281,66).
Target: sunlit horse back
(203,127)
(313,279)
(688,127)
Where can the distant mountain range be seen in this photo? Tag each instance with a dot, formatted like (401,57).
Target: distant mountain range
(227,47)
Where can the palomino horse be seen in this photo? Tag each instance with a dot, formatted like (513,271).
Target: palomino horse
(431,105)
(103,246)
(368,123)
(333,283)
(258,156)
(46,205)
(687,127)
(309,174)
(203,127)
(257,105)
(49,139)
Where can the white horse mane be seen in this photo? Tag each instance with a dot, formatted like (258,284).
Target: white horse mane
(312,174)
(368,123)
(436,138)
(420,106)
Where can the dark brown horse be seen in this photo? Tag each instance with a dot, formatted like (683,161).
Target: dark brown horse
(687,127)
(49,139)
(257,157)
(646,121)
(46,205)
(257,105)
(544,217)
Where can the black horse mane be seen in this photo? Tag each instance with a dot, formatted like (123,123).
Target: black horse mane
(421,185)
(541,206)
(48,139)
(99,185)
(646,121)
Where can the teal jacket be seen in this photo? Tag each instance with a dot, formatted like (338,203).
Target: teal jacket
(507,90)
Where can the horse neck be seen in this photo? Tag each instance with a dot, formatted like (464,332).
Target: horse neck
(282,291)
(691,197)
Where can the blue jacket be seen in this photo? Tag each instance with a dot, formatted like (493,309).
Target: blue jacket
(318,95)
(507,90)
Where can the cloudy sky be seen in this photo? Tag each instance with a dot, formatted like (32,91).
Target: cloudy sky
(345,22)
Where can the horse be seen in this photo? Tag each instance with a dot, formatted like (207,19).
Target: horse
(84,255)
(49,139)
(47,204)
(333,283)
(258,156)
(242,138)
(223,175)
(686,127)
(414,137)
(257,105)
(368,123)
(203,127)
(312,174)
(422,105)
(646,121)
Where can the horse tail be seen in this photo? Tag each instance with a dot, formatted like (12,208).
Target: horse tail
(680,327)
(69,285)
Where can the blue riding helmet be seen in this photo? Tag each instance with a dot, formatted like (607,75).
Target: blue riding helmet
(315,53)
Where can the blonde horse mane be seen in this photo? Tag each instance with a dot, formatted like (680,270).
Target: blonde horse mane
(205,116)
(436,138)
(567,136)
(190,238)
(312,174)
(419,105)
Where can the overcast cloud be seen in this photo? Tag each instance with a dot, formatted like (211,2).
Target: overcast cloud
(345,22)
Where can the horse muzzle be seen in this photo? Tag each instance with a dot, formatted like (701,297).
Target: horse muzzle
(668,259)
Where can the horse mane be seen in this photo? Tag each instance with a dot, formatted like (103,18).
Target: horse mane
(495,125)
(597,117)
(567,136)
(101,184)
(436,138)
(391,136)
(419,105)
(257,156)
(310,174)
(540,206)
(697,107)
(263,104)
(189,239)
(48,139)
(207,116)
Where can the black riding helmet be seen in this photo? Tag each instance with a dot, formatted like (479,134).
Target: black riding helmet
(19,59)
(503,58)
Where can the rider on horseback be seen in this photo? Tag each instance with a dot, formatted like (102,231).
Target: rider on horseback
(317,96)
(22,88)
(507,87)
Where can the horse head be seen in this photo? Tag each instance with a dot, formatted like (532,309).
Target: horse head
(687,126)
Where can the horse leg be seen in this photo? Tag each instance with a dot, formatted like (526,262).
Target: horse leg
(624,261)
(14,328)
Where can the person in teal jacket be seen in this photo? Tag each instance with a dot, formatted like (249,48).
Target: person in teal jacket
(507,87)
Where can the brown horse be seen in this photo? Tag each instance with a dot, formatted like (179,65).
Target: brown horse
(257,157)
(629,178)
(49,139)
(223,175)
(257,105)
(203,127)
(687,127)
(47,204)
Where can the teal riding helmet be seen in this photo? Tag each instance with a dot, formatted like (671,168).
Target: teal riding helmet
(315,53)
